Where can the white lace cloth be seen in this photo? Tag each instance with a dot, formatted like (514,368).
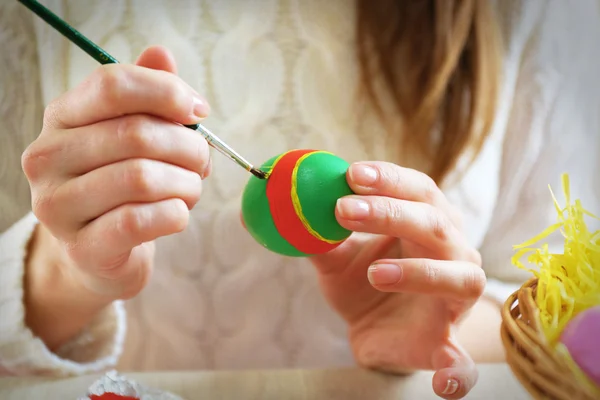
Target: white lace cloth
(279,75)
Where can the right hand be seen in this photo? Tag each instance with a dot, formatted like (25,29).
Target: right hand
(112,170)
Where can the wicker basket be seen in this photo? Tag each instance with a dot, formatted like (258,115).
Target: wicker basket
(543,372)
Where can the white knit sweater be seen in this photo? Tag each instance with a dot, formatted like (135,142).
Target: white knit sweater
(278,74)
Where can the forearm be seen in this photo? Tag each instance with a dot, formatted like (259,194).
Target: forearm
(56,308)
(479,332)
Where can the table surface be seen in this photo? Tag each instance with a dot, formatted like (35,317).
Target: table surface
(495,382)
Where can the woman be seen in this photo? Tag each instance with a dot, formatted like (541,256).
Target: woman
(477,96)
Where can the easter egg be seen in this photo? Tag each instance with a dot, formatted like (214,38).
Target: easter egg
(581,337)
(292,212)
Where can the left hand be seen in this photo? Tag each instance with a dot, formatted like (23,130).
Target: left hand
(405,279)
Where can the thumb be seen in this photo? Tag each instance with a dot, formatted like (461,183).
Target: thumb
(157,57)
(456,373)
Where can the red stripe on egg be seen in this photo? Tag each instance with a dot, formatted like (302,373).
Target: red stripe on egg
(288,223)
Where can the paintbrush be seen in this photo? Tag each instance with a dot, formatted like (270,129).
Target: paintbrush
(104,58)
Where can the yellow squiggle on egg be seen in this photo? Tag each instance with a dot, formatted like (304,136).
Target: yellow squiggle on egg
(298,205)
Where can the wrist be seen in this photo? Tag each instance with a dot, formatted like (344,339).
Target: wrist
(57,306)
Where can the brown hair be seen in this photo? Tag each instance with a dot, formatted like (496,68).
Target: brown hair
(439,62)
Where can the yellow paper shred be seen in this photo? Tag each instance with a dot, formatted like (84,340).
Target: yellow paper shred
(568,283)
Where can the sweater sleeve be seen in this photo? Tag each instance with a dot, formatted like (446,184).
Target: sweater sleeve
(21,110)
(553,129)
(98,346)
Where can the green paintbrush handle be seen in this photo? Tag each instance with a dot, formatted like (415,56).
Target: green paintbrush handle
(71,33)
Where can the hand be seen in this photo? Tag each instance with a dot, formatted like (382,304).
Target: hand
(405,279)
(111,171)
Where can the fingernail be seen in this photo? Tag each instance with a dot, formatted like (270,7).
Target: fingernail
(201,108)
(208,169)
(384,274)
(352,209)
(451,387)
(363,175)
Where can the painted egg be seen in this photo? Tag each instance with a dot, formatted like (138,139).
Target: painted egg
(581,337)
(292,212)
(112,396)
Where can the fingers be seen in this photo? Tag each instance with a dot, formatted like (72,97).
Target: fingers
(108,240)
(456,373)
(450,279)
(77,151)
(87,197)
(454,383)
(115,90)
(419,223)
(390,180)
